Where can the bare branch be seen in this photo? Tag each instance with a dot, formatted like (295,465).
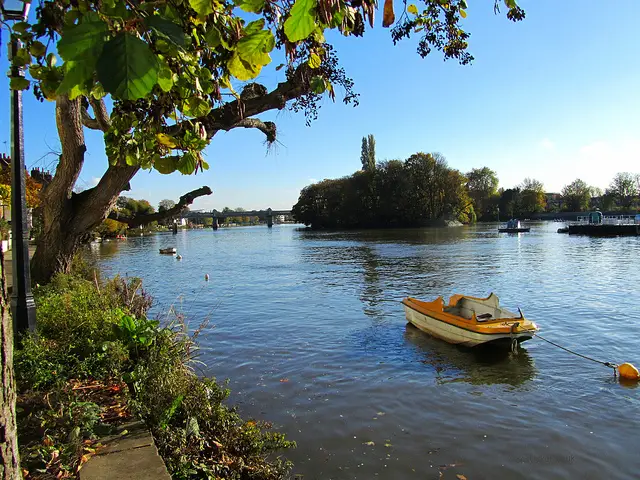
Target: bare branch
(185,200)
(268,128)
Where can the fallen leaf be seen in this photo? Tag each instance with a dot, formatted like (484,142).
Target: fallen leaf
(461,477)
(371,444)
(283,380)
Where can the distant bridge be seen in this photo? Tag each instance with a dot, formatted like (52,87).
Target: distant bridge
(215,215)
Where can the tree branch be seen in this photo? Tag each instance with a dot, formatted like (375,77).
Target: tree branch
(185,200)
(236,114)
(88,121)
(100,111)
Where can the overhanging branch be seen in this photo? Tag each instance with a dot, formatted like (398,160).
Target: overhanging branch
(185,200)
(237,113)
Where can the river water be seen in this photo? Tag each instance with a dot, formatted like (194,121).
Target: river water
(309,329)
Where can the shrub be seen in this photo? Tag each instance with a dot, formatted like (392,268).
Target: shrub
(97,333)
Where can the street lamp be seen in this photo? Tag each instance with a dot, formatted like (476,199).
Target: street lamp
(23,307)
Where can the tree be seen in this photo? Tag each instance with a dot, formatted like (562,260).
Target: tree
(168,68)
(371,153)
(166,205)
(364,153)
(576,196)
(532,199)
(482,186)
(624,189)
(9,454)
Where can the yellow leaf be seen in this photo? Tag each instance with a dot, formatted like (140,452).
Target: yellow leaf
(166,140)
(463,14)
(314,60)
(412,9)
(461,477)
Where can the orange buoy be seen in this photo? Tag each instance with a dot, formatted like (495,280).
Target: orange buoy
(628,371)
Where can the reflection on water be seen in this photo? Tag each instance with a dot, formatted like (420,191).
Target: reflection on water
(322,310)
(483,365)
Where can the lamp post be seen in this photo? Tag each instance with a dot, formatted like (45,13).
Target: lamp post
(23,307)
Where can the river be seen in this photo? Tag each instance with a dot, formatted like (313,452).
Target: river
(309,329)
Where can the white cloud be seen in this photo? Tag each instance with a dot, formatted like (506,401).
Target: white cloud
(313,180)
(94,181)
(547,144)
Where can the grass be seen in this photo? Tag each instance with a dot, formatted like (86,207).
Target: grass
(98,360)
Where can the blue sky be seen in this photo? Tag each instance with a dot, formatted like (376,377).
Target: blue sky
(554,97)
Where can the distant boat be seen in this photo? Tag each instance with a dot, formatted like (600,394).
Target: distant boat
(168,251)
(513,226)
(469,321)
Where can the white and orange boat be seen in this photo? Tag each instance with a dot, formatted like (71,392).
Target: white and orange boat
(469,321)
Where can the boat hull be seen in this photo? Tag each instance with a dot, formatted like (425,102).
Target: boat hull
(514,230)
(458,335)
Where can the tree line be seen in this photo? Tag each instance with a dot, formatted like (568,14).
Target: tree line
(424,190)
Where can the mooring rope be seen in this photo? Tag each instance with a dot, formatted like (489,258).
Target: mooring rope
(606,364)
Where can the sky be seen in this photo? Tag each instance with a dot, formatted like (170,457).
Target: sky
(554,97)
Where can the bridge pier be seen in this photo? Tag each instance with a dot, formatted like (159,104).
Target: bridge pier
(175,227)
(269,218)
(214,224)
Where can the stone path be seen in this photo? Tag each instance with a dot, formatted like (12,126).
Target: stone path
(133,456)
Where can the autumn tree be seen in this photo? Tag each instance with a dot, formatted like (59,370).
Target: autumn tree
(482,187)
(576,196)
(159,79)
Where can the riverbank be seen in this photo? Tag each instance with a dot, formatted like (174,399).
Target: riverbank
(98,361)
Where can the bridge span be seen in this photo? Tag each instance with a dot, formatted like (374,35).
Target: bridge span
(215,215)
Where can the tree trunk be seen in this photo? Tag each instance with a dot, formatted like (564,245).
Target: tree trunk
(9,455)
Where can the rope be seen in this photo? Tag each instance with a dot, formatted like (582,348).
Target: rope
(606,364)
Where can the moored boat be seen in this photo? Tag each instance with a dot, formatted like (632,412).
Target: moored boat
(513,226)
(469,321)
(168,251)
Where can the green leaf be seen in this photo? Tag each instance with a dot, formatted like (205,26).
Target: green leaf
(168,29)
(19,83)
(463,14)
(82,42)
(76,75)
(242,70)
(301,22)
(317,85)
(127,68)
(52,60)
(412,9)
(187,164)
(21,27)
(202,7)
(212,37)
(166,165)
(21,58)
(254,49)
(165,79)
(314,60)
(251,6)
(37,49)
(196,107)
(254,27)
